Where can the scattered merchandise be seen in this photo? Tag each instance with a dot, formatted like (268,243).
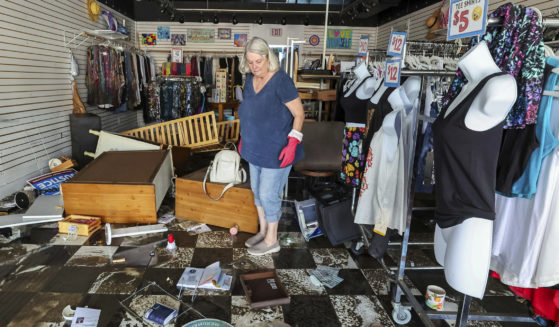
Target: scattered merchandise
(136,256)
(434,297)
(199,229)
(68,313)
(111,233)
(45,206)
(210,277)
(264,289)
(234,230)
(160,314)
(61,163)
(327,275)
(171,245)
(21,200)
(307,214)
(166,218)
(49,184)
(82,225)
(114,142)
(206,322)
(86,317)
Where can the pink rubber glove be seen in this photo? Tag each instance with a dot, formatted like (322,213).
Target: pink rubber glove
(288,153)
(240,144)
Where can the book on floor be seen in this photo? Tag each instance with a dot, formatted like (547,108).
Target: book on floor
(210,277)
(86,317)
(160,314)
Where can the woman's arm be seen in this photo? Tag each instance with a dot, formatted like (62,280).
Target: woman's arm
(296,108)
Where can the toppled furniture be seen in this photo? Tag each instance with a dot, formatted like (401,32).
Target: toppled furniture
(120,186)
(199,133)
(192,132)
(114,142)
(235,207)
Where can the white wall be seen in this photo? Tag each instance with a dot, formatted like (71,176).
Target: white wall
(35,90)
(418,30)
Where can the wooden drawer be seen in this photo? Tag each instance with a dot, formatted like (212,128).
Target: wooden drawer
(120,186)
(236,206)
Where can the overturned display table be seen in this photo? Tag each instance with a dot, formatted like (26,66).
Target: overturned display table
(236,206)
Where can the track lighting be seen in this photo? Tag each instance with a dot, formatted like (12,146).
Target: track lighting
(235,21)
(306,21)
(181,19)
(172,17)
(201,18)
(164,5)
(259,21)
(216,20)
(283,20)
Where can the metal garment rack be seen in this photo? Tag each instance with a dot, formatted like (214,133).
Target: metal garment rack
(402,312)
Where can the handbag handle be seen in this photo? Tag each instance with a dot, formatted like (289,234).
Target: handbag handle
(228,186)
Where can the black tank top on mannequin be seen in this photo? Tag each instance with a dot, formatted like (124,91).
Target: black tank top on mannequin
(355,109)
(465,164)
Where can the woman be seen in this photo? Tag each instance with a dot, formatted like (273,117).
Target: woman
(271,117)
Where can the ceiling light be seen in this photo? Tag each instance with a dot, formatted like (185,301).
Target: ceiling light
(181,19)
(172,15)
(283,20)
(216,20)
(306,21)
(259,21)
(235,21)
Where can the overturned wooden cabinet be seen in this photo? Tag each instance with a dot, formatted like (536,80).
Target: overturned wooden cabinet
(121,186)
(235,208)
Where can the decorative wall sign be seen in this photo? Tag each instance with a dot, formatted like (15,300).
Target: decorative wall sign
(314,40)
(201,35)
(224,33)
(178,39)
(176,55)
(339,38)
(149,39)
(275,32)
(240,40)
(163,32)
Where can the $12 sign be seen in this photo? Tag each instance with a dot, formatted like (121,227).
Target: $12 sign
(392,72)
(467,18)
(397,44)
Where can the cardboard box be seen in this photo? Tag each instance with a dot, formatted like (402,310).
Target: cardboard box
(236,206)
(120,186)
(84,225)
(264,289)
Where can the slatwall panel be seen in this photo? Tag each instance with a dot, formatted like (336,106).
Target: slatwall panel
(418,30)
(162,49)
(35,90)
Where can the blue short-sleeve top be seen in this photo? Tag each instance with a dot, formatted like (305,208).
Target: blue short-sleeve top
(266,121)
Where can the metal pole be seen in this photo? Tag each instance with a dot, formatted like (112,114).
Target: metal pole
(463,312)
(325,35)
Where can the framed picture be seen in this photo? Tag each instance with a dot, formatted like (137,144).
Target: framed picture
(176,55)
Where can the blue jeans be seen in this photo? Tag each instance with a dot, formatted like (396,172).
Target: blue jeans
(267,185)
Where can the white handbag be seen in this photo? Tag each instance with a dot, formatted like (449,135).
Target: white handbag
(225,168)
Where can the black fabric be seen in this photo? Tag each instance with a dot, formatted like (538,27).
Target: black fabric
(379,244)
(517,146)
(382,108)
(465,165)
(237,76)
(355,108)
(82,140)
(336,221)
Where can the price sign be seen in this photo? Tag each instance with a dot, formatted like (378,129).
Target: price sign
(397,44)
(466,18)
(392,72)
(363,46)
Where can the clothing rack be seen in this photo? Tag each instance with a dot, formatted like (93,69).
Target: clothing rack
(402,312)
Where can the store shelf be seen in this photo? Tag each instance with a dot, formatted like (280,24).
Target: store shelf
(107,34)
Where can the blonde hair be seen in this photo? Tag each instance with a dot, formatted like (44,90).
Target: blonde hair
(259,46)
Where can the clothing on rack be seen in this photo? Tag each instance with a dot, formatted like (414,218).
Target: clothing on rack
(525,232)
(465,164)
(178,97)
(518,49)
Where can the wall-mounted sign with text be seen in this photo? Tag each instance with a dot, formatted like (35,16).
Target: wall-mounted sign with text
(392,72)
(339,38)
(466,18)
(363,46)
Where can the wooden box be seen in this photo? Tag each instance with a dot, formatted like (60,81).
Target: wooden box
(236,206)
(85,225)
(263,289)
(120,186)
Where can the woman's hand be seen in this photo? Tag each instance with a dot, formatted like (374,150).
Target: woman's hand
(288,153)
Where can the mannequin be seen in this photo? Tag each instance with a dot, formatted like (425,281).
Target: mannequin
(465,249)
(360,73)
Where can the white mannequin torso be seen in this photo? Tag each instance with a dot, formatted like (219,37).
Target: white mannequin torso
(360,73)
(465,249)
